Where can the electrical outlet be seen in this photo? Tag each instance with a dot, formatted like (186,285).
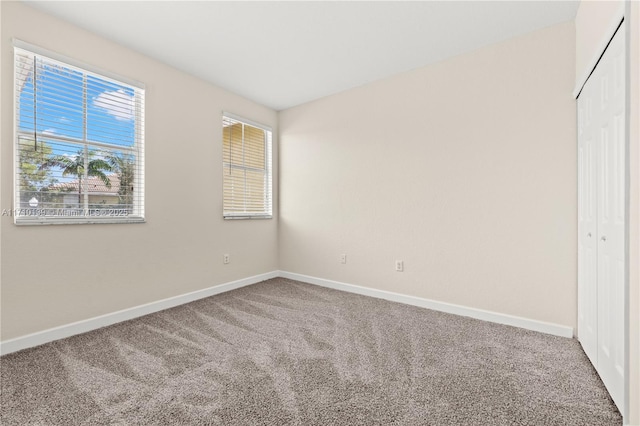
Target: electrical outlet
(226,259)
(343,258)
(399,265)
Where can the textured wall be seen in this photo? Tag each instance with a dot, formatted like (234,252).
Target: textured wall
(54,275)
(465,169)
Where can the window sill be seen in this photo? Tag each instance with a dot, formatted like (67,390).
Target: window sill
(26,221)
(247,217)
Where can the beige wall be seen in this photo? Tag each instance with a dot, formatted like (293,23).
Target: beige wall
(54,275)
(593,19)
(465,169)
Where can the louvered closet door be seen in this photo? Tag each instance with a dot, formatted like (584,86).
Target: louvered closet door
(601,217)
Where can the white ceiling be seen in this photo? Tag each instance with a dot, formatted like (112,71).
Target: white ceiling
(282,54)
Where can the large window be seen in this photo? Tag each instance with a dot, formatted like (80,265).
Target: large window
(79,143)
(246,166)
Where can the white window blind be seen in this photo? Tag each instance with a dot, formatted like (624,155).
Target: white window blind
(246,168)
(79,147)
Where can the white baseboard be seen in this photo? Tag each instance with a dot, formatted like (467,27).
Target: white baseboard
(68,330)
(526,323)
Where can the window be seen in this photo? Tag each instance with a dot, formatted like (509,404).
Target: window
(246,165)
(79,143)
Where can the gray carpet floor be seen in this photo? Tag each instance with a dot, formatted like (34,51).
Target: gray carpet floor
(286,353)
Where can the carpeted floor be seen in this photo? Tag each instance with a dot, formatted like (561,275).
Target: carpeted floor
(286,353)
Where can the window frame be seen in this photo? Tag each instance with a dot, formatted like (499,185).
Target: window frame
(137,149)
(268,147)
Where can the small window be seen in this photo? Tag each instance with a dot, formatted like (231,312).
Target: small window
(78,146)
(246,165)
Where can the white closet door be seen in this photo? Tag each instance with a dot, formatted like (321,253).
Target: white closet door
(609,77)
(601,217)
(587,224)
